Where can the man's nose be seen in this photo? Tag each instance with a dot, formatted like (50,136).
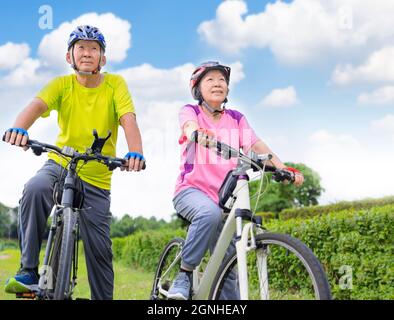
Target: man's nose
(86,53)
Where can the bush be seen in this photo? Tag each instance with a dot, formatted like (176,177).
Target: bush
(143,248)
(362,240)
(359,239)
(308,212)
(8,244)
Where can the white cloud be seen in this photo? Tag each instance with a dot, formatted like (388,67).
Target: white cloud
(150,192)
(379,67)
(12,54)
(53,47)
(302,31)
(26,74)
(345,165)
(382,96)
(278,98)
(149,83)
(384,125)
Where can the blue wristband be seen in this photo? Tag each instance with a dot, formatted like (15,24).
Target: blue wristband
(18,131)
(134,155)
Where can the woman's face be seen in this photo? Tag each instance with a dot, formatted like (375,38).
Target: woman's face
(87,55)
(214,88)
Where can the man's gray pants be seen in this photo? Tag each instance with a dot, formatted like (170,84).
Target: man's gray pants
(206,225)
(95,218)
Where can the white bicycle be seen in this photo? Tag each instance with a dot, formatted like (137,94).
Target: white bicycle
(268,266)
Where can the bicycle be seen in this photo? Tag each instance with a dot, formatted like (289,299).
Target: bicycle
(266,265)
(58,275)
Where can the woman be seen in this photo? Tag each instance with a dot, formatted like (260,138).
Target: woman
(202,171)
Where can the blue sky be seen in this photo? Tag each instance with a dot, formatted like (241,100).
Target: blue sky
(314,78)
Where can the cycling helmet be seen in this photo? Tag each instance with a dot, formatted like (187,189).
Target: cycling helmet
(89,33)
(86,32)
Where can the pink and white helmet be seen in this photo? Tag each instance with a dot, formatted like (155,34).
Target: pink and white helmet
(201,71)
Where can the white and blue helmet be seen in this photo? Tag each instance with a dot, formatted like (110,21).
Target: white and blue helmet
(86,32)
(89,33)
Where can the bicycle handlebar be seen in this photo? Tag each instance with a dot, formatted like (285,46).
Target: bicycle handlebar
(111,162)
(257,162)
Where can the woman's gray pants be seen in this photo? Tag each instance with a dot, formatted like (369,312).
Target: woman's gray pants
(206,221)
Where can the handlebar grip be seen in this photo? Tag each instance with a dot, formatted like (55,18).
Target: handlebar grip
(281,175)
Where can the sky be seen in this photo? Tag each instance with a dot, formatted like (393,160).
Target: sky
(314,78)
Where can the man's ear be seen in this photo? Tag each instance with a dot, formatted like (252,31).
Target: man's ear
(68,57)
(103,60)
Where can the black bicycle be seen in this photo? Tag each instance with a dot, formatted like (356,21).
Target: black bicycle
(58,275)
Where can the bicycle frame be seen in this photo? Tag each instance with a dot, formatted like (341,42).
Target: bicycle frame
(66,207)
(229,228)
(244,236)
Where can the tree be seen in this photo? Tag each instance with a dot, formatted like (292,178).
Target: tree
(280,196)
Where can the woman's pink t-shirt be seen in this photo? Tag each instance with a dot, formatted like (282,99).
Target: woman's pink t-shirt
(202,168)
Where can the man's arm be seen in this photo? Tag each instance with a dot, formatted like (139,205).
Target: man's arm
(133,138)
(25,120)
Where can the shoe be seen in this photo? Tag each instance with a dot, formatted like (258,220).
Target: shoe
(26,280)
(180,289)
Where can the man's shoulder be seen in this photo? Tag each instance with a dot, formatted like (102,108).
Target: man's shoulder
(113,79)
(63,80)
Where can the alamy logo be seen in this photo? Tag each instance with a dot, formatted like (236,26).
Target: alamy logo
(46,20)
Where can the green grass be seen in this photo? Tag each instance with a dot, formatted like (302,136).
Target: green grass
(130,283)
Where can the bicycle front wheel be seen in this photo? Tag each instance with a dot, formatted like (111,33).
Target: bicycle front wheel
(63,285)
(279,268)
(167,269)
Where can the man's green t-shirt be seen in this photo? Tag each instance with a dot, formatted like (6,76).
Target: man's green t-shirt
(80,110)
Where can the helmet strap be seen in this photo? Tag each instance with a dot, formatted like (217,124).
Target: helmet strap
(212,110)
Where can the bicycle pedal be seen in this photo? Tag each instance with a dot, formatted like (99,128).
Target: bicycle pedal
(26,295)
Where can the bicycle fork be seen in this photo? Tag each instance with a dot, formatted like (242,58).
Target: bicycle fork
(245,242)
(46,273)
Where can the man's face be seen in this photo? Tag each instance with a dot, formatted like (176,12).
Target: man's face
(86,55)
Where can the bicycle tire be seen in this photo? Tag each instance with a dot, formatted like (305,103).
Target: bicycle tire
(54,258)
(167,256)
(304,270)
(62,287)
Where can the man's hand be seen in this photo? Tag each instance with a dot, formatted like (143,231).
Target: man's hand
(17,137)
(134,162)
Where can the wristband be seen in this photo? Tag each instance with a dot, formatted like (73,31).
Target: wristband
(19,131)
(134,155)
(294,170)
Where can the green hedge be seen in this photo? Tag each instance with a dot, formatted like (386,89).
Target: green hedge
(143,248)
(8,244)
(360,239)
(308,212)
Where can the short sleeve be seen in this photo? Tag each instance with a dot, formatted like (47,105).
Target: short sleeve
(122,98)
(247,136)
(51,94)
(187,114)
